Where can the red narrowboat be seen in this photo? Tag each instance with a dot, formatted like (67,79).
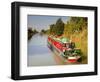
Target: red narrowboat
(65,47)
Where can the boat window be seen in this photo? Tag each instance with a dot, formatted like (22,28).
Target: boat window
(64,45)
(67,45)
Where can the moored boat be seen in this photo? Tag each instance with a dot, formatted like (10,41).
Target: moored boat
(65,47)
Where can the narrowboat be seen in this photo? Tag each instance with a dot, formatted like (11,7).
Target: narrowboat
(65,47)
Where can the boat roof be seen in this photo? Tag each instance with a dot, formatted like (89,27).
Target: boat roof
(61,39)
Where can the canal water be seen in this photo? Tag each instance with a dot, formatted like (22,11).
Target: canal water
(38,52)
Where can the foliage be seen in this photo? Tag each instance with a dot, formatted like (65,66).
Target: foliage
(75,24)
(43,31)
(76,30)
(31,32)
(58,28)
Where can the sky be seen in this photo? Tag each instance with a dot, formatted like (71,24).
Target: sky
(40,22)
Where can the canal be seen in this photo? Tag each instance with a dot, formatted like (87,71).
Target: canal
(38,52)
(40,55)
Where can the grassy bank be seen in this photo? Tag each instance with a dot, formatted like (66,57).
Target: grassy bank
(81,41)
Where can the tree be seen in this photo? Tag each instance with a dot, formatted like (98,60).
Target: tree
(75,24)
(43,31)
(52,29)
(79,23)
(59,27)
(31,32)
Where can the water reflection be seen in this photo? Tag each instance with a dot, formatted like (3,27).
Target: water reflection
(38,52)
